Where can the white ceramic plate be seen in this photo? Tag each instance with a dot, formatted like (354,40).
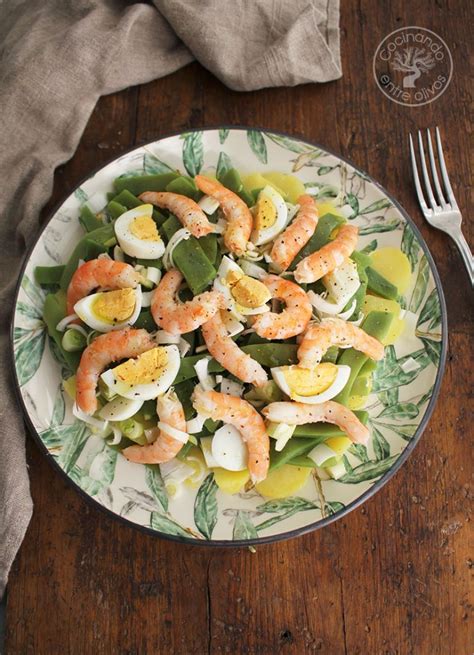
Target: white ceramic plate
(399,407)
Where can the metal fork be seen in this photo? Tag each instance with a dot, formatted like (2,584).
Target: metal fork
(444,214)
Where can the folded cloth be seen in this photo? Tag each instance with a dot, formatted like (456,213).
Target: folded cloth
(57,57)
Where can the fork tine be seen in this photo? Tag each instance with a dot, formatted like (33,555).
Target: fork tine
(444,170)
(434,171)
(429,190)
(416,177)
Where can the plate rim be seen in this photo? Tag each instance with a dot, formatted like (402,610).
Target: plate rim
(290,534)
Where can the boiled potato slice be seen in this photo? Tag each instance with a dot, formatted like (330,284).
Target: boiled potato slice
(230,482)
(394,265)
(291,186)
(283,482)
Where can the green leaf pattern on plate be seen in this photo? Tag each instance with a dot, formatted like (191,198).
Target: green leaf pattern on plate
(193,153)
(205,507)
(257,144)
(399,397)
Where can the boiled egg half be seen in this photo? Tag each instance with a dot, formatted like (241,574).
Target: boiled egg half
(110,310)
(244,294)
(270,216)
(315,385)
(145,377)
(138,235)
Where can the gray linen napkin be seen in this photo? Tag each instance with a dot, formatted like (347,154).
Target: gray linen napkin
(57,57)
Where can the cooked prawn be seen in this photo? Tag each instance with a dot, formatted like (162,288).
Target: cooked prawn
(329,412)
(239,218)
(185,209)
(100,273)
(335,332)
(164,447)
(240,414)
(329,257)
(180,317)
(228,353)
(293,319)
(105,349)
(288,244)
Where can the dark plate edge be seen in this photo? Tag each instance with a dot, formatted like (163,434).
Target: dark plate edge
(312,526)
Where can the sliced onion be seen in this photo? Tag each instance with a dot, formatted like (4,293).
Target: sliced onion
(292,211)
(249,268)
(231,387)
(323,306)
(179,435)
(232,325)
(153,274)
(117,438)
(348,313)
(206,381)
(208,204)
(62,325)
(183,346)
(104,255)
(80,262)
(164,337)
(90,420)
(200,349)
(181,235)
(196,424)
(147,297)
(79,328)
(220,226)
(119,255)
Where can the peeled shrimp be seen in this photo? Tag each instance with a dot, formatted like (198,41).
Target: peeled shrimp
(329,257)
(228,353)
(100,273)
(105,349)
(239,218)
(293,319)
(288,244)
(180,317)
(328,412)
(185,209)
(335,332)
(165,447)
(240,414)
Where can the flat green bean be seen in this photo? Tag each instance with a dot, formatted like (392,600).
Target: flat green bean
(231,180)
(380,285)
(145,321)
(376,324)
(89,247)
(54,310)
(190,258)
(326,225)
(209,245)
(49,274)
(294,448)
(115,209)
(138,184)
(130,201)
(185,186)
(88,219)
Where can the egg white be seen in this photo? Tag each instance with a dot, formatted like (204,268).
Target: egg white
(342,376)
(265,235)
(84,309)
(220,284)
(228,448)
(149,390)
(131,244)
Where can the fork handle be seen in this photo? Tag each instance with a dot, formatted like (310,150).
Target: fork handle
(463,246)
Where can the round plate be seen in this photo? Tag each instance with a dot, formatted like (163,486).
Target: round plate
(405,386)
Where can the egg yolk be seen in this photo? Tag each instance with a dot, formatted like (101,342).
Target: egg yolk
(146,368)
(144,228)
(115,306)
(247,291)
(265,212)
(308,382)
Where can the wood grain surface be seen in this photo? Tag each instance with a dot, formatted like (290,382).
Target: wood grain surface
(392,577)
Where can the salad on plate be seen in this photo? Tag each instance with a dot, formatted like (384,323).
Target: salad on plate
(229,324)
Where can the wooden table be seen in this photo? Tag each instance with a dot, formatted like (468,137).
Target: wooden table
(392,577)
